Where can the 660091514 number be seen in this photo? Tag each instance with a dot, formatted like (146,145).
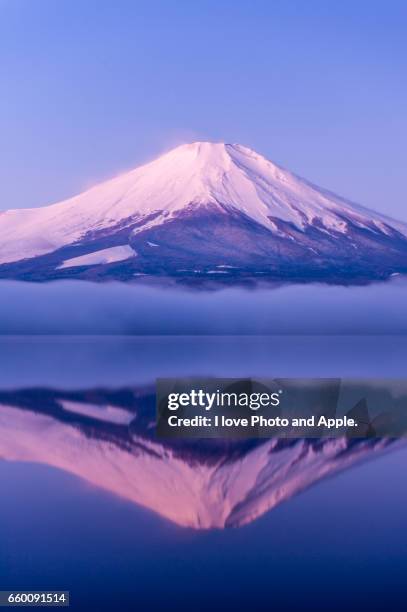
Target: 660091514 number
(34,598)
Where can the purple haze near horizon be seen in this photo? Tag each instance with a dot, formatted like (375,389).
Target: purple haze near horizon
(80,307)
(95,88)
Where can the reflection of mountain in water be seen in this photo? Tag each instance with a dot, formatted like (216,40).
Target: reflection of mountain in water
(108,439)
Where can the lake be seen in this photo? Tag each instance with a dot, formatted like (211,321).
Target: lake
(93,504)
(119,532)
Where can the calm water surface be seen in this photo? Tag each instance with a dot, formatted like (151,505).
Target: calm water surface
(340,543)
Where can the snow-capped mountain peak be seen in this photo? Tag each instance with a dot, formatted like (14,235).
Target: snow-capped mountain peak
(239,196)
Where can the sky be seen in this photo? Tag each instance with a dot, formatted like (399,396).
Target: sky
(92,88)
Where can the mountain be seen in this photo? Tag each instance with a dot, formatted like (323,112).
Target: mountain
(107,438)
(204,211)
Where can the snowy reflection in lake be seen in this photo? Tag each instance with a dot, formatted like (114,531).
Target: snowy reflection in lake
(92,502)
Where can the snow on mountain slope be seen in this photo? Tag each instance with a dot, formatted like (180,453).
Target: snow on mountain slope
(228,177)
(192,489)
(111,414)
(104,256)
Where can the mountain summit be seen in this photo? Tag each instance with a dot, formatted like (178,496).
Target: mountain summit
(203,210)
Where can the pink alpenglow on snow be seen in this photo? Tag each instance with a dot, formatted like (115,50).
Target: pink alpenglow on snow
(200,207)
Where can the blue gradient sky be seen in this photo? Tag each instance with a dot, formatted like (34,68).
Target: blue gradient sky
(93,87)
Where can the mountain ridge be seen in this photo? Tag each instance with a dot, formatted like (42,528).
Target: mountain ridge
(204,208)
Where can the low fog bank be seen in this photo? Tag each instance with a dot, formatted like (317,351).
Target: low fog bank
(72,307)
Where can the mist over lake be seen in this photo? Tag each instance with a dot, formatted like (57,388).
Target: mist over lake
(79,307)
